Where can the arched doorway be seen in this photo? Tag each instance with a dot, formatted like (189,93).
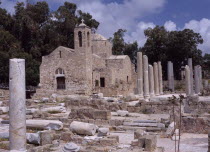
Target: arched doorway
(60,79)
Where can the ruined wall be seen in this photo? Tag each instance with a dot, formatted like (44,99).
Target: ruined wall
(4,94)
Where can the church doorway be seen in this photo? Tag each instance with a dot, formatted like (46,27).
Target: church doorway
(61,83)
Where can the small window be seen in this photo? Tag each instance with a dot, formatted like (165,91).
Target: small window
(60,54)
(80,38)
(102,82)
(96,83)
(59,71)
(127,79)
(88,38)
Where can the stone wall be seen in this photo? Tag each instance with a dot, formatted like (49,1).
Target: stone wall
(4,94)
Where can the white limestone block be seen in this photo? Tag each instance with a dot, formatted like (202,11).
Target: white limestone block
(82,128)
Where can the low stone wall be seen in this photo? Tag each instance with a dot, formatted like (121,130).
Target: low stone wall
(4,94)
(88,113)
(193,124)
(100,104)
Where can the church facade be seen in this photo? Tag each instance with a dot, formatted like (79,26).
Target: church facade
(87,69)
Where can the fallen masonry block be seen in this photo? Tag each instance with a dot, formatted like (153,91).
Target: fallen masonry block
(103,132)
(82,128)
(44,124)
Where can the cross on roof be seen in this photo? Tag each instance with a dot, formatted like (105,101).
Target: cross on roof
(83,21)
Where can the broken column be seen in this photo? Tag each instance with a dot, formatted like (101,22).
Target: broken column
(151,81)
(146,77)
(191,74)
(197,79)
(156,79)
(187,80)
(17,108)
(160,76)
(140,74)
(170,76)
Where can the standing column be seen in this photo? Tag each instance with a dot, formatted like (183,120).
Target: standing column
(160,76)
(17,108)
(197,79)
(146,78)
(140,74)
(191,74)
(201,78)
(187,80)
(151,81)
(170,76)
(157,91)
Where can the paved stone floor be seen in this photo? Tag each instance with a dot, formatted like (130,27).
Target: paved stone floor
(189,143)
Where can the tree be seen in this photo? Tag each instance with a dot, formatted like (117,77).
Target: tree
(175,46)
(34,31)
(118,42)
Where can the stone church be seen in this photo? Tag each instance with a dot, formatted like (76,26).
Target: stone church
(87,69)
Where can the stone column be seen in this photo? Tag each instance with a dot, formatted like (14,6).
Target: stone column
(187,80)
(160,76)
(191,74)
(156,79)
(140,74)
(201,78)
(146,77)
(170,76)
(197,79)
(17,105)
(151,81)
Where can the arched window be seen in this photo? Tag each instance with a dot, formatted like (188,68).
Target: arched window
(59,71)
(80,38)
(88,38)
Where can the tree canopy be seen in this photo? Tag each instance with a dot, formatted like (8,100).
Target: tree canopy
(175,46)
(34,31)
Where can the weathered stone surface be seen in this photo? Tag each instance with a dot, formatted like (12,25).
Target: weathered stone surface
(46,137)
(4,109)
(44,124)
(160,77)
(140,74)
(122,113)
(170,73)
(151,81)
(71,147)
(45,100)
(146,77)
(103,132)
(188,81)
(56,109)
(156,79)
(89,113)
(66,136)
(40,114)
(191,75)
(171,129)
(150,143)
(33,138)
(82,128)
(17,105)
(139,133)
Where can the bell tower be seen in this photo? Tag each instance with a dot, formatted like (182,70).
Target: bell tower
(83,46)
(82,37)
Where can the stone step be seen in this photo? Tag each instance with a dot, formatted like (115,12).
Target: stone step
(159,125)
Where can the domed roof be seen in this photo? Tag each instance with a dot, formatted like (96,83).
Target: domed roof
(98,37)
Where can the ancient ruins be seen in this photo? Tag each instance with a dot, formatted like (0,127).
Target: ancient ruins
(89,100)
